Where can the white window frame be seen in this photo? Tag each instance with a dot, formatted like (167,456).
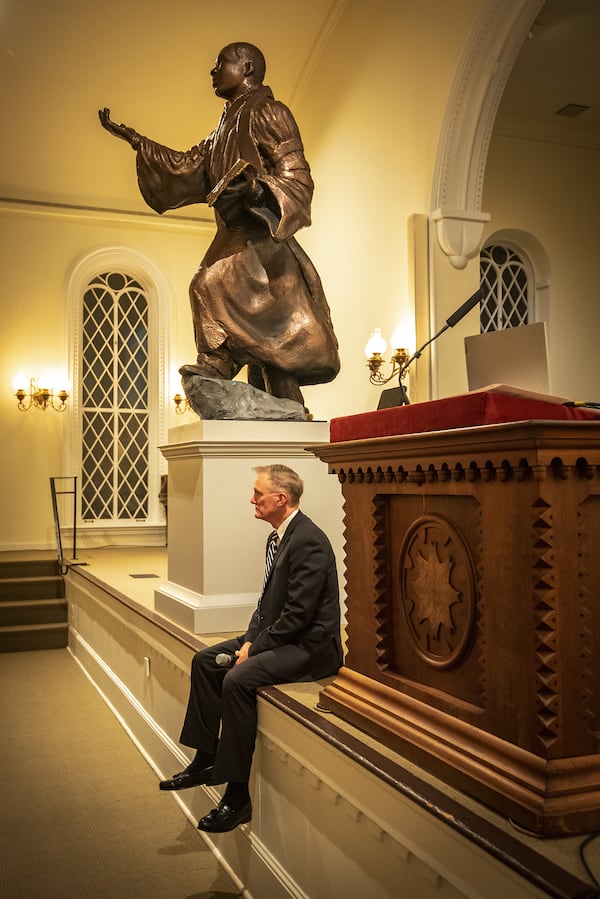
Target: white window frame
(537,266)
(155,287)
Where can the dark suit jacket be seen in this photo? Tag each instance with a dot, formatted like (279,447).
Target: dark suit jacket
(300,603)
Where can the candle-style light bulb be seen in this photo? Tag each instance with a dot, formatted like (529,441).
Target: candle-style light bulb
(375,344)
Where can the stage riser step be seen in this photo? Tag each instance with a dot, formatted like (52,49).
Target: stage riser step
(36,611)
(33,610)
(33,637)
(29,568)
(47,587)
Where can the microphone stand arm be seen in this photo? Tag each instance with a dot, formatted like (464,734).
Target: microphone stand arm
(375,361)
(418,353)
(454,319)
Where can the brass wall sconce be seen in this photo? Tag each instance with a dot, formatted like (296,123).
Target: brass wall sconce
(38,396)
(374,350)
(401,360)
(181,404)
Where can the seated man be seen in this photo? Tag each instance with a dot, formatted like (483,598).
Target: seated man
(293,634)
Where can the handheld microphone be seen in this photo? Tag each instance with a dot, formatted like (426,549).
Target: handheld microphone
(225,660)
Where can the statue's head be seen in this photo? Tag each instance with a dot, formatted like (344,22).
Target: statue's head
(238,66)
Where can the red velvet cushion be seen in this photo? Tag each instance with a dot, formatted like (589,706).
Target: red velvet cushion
(468,410)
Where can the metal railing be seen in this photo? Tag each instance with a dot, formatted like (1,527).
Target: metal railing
(64,567)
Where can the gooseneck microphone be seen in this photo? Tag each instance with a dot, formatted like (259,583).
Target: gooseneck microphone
(225,660)
(450,322)
(464,309)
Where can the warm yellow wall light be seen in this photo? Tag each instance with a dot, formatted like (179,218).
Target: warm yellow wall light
(38,393)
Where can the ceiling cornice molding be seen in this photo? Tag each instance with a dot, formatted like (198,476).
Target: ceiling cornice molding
(318,48)
(73,211)
(524,129)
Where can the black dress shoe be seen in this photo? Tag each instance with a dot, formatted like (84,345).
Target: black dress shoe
(186,779)
(224,818)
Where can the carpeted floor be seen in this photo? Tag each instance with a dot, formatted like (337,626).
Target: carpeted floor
(81,814)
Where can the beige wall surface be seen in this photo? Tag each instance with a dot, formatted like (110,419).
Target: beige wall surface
(40,249)
(373,117)
(550,191)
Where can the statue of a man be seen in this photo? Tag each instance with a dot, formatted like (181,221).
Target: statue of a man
(256,298)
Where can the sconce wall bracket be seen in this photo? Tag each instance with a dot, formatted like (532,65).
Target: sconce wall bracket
(41,398)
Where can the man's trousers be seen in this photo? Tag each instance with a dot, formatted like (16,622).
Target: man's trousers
(221,716)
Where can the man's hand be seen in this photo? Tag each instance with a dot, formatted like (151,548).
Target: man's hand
(122,131)
(242,654)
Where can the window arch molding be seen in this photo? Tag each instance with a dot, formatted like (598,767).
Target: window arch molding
(526,244)
(157,292)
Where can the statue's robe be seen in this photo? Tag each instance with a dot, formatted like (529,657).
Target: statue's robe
(256,297)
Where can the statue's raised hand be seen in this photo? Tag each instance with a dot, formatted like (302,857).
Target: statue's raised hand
(123,131)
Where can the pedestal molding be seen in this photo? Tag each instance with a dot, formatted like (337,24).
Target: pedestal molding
(217,449)
(205,614)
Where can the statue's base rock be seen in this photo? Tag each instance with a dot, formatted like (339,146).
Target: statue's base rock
(213,398)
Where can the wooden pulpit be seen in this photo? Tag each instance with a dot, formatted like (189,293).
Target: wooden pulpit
(472,543)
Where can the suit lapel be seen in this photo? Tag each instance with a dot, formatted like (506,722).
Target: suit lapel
(283,546)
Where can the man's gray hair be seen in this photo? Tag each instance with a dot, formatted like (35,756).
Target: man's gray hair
(285,480)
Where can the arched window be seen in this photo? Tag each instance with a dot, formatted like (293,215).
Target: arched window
(506,282)
(118,305)
(114,400)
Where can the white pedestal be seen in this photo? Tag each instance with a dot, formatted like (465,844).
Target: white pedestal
(216,547)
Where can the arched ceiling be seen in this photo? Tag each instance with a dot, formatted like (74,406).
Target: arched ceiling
(558,68)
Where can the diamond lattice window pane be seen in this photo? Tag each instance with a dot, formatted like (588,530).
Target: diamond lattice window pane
(503,277)
(114,391)
(132,472)
(133,351)
(97,466)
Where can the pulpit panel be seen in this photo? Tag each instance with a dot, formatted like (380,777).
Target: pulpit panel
(473,615)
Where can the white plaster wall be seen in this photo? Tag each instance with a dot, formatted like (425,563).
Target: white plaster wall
(371,124)
(551,191)
(40,248)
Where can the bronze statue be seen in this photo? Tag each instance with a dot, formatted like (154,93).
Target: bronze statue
(256,299)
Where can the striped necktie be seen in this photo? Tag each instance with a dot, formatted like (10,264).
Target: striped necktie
(272,547)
